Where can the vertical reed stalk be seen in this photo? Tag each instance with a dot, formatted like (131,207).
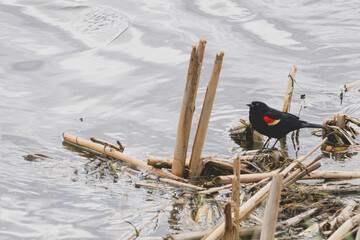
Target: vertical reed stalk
(272,209)
(229,227)
(235,197)
(289,90)
(187,108)
(195,159)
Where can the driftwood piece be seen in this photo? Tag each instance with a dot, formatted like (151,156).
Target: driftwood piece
(272,209)
(119,155)
(195,159)
(187,108)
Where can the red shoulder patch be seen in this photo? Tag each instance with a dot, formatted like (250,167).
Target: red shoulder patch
(270,121)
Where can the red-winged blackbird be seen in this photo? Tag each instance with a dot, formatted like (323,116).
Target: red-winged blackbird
(273,123)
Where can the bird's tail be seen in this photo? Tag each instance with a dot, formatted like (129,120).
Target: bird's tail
(311,125)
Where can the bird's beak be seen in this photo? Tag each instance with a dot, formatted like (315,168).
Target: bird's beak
(250,105)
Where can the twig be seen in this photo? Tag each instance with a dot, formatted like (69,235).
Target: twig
(105,143)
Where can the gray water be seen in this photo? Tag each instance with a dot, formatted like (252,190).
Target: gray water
(121,67)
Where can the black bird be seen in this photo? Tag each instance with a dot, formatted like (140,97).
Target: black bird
(273,123)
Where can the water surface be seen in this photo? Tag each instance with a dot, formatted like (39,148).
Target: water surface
(121,67)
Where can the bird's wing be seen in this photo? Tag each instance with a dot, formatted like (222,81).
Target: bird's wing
(290,115)
(273,116)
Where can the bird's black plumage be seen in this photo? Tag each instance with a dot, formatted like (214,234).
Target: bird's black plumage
(273,123)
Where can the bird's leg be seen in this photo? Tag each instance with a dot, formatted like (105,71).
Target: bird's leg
(275,144)
(264,146)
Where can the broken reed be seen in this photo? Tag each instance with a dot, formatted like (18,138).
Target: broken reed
(195,159)
(187,108)
(272,209)
(289,90)
(256,199)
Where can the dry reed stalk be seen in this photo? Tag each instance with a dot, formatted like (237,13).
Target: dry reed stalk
(323,174)
(185,236)
(299,173)
(229,226)
(345,228)
(195,159)
(337,221)
(272,209)
(344,215)
(248,231)
(176,183)
(289,89)
(353,120)
(224,164)
(235,197)
(119,147)
(292,165)
(316,174)
(245,178)
(215,189)
(163,163)
(119,155)
(358,233)
(340,120)
(351,85)
(298,218)
(187,108)
(257,198)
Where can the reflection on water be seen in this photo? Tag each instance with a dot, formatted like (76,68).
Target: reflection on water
(121,67)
